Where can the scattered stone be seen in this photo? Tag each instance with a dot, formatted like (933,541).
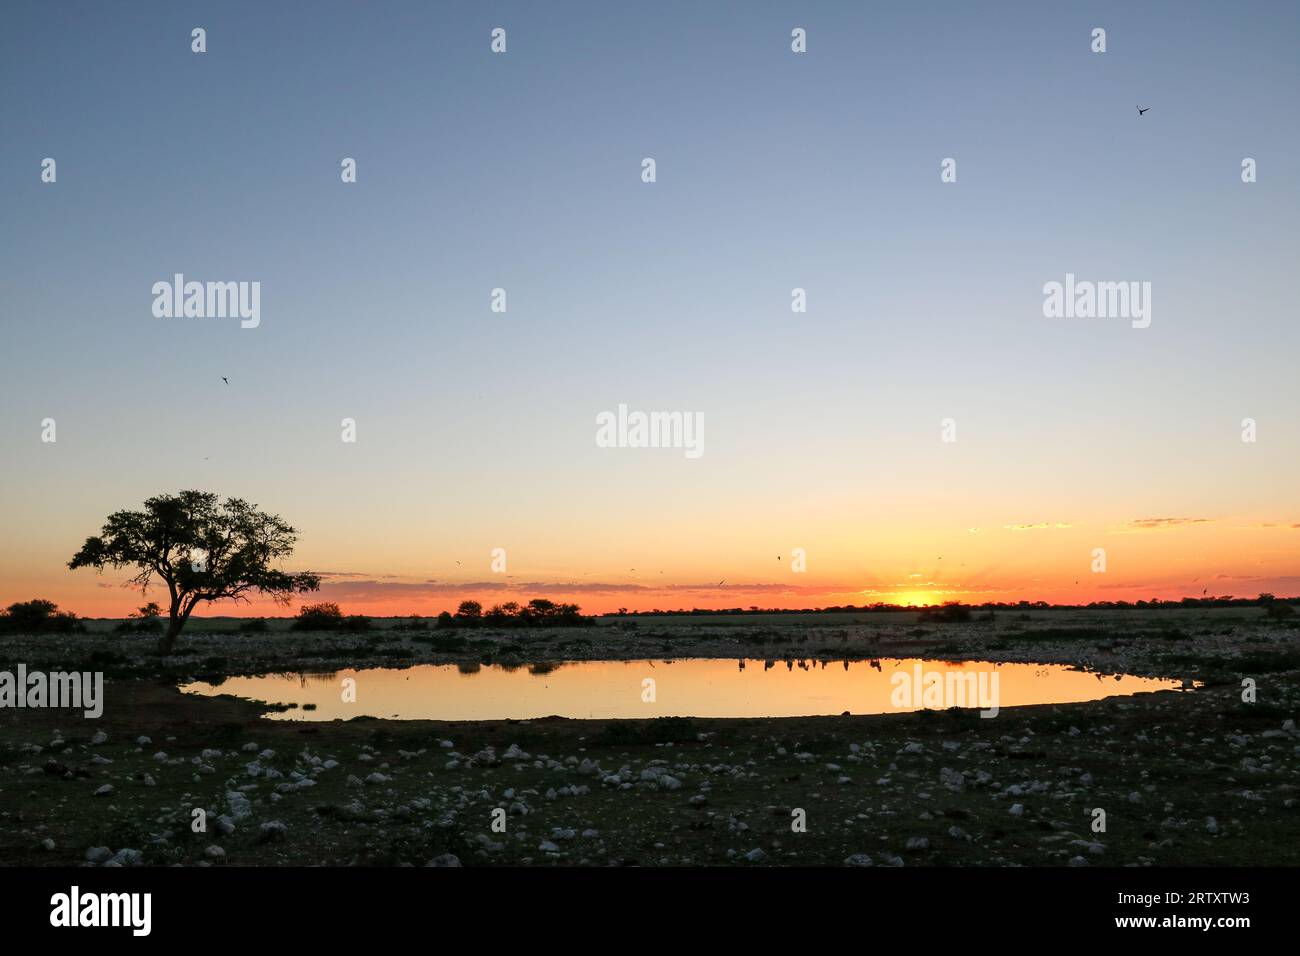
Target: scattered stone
(270,831)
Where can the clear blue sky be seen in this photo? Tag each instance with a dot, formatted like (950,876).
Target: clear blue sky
(775,170)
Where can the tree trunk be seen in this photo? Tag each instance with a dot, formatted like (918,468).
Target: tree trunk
(168,640)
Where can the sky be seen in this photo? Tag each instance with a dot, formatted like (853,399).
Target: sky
(774,170)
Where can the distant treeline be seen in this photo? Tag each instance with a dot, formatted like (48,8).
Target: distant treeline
(43,617)
(538,612)
(1263,600)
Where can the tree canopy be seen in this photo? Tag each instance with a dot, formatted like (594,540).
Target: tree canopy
(202,549)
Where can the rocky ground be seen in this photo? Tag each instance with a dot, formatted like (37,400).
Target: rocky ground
(1182,778)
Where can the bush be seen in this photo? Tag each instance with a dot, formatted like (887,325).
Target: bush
(1276,610)
(145,620)
(949,613)
(254,625)
(538,612)
(139,625)
(443,642)
(354,623)
(318,617)
(469,612)
(38,617)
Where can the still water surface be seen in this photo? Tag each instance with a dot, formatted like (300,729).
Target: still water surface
(695,687)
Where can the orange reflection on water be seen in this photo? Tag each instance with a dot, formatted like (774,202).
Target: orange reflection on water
(696,687)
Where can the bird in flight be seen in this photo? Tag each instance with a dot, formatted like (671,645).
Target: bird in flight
(1141,110)
(226,380)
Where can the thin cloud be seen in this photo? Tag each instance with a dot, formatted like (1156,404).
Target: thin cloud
(1160,524)
(1039,526)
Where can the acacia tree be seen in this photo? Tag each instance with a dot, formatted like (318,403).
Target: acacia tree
(202,549)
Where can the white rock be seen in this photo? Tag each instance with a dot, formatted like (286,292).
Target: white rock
(239,805)
(272,830)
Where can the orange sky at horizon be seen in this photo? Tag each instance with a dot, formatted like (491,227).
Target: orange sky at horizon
(1165,558)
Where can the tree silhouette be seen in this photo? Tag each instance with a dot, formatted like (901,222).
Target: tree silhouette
(202,549)
(36,617)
